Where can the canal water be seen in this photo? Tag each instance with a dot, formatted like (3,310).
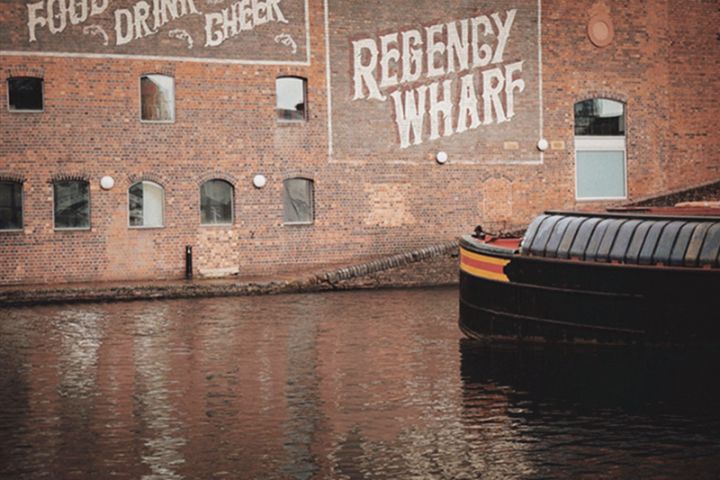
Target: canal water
(352,385)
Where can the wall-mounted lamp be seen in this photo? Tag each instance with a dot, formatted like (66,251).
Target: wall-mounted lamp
(107,182)
(441,158)
(542,145)
(259,181)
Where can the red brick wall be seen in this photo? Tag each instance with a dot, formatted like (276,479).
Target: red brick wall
(663,62)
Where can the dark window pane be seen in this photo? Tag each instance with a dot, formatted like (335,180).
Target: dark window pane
(157,96)
(298,200)
(10,205)
(599,116)
(72,204)
(136,205)
(290,92)
(25,93)
(216,199)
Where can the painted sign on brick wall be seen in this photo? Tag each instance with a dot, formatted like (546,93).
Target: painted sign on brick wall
(408,82)
(233,31)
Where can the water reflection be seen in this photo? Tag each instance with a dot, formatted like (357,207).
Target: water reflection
(605,413)
(335,386)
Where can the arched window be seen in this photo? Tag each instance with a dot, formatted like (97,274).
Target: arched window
(71,204)
(600,160)
(146,202)
(25,94)
(298,201)
(291,102)
(157,98)
(216,202)
(11,208)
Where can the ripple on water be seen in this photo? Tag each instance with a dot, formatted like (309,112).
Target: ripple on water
(371,384)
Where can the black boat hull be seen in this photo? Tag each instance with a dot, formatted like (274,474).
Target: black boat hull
(565,301)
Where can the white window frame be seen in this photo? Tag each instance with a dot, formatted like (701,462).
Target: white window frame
(174,109)
(144,227)
(601,143)
(305,99)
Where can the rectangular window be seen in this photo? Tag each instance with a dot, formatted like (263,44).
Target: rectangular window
(146,200)
(290,96)
(216,203)
(298,201)
(71,204)
(11,206)
(25,94)
(600,174)
(157,98)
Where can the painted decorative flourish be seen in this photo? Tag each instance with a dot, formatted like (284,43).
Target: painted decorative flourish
(182,35)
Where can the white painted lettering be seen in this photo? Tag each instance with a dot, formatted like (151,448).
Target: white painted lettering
(388,55)
(213,37)
(442,107)
(468,104)
(458,46)
(364,73)
(80,17)
(434,47)
(412,56)
(410,116)
(123,26)
(511,85)
(34,19)
(503,33)
(142,13)
(481,52)
(493,85)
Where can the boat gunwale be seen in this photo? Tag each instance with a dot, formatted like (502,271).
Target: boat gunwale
(475,246)
(639,214)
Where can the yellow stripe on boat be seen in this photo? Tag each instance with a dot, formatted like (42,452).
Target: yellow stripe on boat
(472,263)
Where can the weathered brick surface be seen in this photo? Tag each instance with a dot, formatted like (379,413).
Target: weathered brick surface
(663,63)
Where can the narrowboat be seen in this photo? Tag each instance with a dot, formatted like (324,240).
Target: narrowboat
(624,276)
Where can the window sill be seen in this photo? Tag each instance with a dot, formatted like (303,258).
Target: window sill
(11,230)
(78,229)
(217,225)
(157,122)
(296,224)
(291,122)
(600,199)
(11,110)
(154,227)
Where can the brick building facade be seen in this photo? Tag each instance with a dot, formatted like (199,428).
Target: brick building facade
(390,90)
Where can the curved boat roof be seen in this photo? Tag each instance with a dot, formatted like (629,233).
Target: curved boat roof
(665,237)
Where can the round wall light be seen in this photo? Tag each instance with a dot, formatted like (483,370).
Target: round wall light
(542,145)
(441,158)
(107,182)
(259,181)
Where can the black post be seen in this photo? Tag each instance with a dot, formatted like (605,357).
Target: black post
(188,262)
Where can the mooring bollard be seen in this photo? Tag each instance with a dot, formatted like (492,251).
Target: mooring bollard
(188,262)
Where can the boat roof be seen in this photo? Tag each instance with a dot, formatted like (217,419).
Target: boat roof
(671,237)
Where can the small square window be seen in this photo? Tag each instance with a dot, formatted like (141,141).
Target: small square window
(298,201)
(71,204)
(25,94)
(157,98)
(11,212)
(291,104)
